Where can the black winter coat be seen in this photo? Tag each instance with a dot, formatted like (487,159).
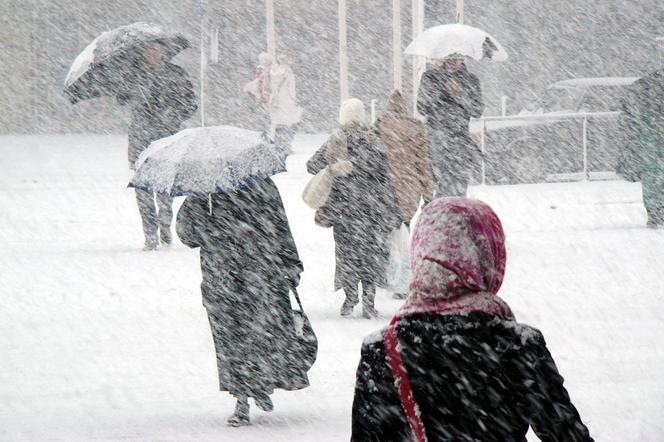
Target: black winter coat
(442,110)
(162,98)
(362,209)
(475,377)
(249,262)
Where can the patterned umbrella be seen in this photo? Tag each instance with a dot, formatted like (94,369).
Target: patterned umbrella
(206,160)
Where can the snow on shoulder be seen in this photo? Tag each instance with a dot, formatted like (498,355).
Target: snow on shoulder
(527,333)
(374,338)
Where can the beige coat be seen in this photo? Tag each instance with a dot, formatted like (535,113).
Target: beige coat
(405,143)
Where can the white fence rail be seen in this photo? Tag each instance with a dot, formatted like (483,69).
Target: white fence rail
(491,123)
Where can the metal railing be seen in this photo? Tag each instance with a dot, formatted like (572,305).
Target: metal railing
(542,117)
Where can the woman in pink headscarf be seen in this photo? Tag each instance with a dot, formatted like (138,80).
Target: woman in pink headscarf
(454,364)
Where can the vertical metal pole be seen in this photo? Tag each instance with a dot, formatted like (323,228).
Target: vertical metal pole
(203,63)
(271,33)
(459,11)
(586,174)
(373,111)
(396,44)
(418,62)
(482,148)
(343,51)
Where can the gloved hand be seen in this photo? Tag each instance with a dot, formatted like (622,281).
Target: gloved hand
(293,278)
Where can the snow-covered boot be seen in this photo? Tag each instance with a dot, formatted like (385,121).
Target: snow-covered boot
(241,416)
(151,244)
(347,307)
(350,302)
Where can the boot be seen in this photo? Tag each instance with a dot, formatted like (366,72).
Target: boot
(264,402)
(165,236)
(350,302)
(151,244)
(241,416)
(347,307)
(368,296)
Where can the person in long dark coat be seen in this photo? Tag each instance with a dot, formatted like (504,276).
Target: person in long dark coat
(454,365)
(249,262)
(162,97)
(362,207)
(449,96)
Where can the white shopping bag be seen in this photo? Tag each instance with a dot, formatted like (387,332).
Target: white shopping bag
(398,267)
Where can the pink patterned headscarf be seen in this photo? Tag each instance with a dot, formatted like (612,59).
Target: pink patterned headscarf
(458,259)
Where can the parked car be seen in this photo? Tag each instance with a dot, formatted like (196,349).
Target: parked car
(536,145)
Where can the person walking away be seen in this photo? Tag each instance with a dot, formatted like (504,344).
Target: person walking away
(454,364)
(249,263)
(449,96)
(405,144)
(649,127)
(162,97)
(361,208)
(404,138)
(273,88)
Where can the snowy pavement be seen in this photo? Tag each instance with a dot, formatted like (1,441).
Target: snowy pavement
(99,340)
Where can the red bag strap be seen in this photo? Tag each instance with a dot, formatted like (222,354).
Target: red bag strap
(401,381)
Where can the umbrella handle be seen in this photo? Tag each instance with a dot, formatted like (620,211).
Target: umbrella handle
(210,203)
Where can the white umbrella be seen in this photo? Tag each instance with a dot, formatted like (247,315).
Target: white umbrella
(445,40)
(108,61)
(206,160)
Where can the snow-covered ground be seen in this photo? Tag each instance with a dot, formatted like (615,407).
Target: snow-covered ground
(99,340)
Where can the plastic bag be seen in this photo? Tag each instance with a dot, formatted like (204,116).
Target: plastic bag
(398,267)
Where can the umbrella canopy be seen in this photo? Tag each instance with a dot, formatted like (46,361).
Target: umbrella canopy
(106,63)
(207,160)
(456,39)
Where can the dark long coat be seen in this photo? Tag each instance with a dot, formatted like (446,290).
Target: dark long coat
(162,98)
(448,111)
(475,377)
(249,262)
(362,207)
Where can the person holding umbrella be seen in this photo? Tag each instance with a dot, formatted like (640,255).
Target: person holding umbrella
(449,96)
(249,261)
(162,97)
(132,64)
